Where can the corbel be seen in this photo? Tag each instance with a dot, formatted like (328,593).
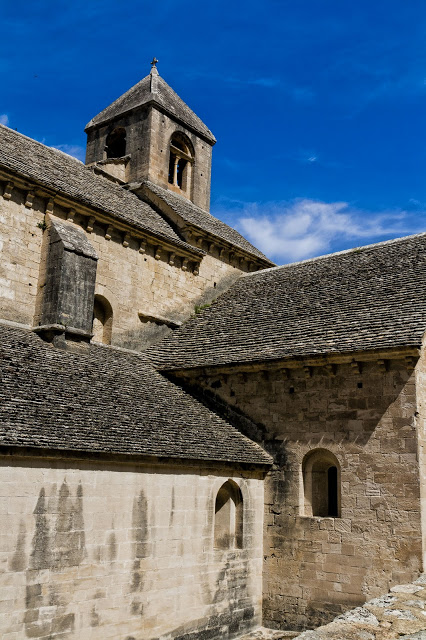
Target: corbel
(157,254)
(49,206)
(222,252)
(109,232)
(126,240)
(7,193)
(196,269)
(285,374)
(241,262)
(410,362)
(330,369)
(188,232)
(142,246)
(90,224)
(211,247)
(356,367)
(231,256)
(172,257)
(185,264)
(29,200)
(382,366)
(308,372)
(71,215)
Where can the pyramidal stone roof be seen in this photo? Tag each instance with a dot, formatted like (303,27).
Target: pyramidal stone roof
(103,400)
(153,89)
(70,177)
(368,298)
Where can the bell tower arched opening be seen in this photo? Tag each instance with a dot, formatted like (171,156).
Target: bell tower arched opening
(181,159)
(116,143)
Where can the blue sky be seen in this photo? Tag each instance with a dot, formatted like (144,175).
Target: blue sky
(318,106)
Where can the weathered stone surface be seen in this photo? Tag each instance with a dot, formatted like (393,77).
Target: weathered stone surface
(112,551)
(405,618)
(70,277)
(317,567)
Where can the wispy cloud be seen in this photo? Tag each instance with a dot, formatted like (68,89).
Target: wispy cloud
(72,150)
(4,119)
(304,228)
(302,94)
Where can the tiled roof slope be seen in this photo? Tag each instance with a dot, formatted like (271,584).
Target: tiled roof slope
(189,212)
(153,88)
(68,176)
(368,298)
(105,400)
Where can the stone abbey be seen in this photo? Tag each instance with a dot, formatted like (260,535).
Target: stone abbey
(194,442)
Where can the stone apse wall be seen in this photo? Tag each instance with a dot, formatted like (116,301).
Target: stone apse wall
(364,414)
(136,284)
(126,552)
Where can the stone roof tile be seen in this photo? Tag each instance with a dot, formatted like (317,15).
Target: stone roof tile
(105,400)
(372,297)
(154,89)
(196,216)
(66,175)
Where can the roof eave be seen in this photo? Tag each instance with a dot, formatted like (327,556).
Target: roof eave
(206,135)
(293,362)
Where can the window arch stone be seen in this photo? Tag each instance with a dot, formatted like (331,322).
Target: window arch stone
(321,484)
(228,517)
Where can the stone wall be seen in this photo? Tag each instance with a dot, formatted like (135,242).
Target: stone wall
(148,134)
(20,249)
(162,129)
(138,285)
(421,430)
(104,550)
(365,415)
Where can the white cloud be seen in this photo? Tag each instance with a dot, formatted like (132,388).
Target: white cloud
(4,119)
(304,228)
(72,150)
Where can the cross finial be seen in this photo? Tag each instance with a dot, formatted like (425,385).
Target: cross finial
(154,62)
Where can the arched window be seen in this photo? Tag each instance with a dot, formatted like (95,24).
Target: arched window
(102,320)
(116,143)
(180,162)
(228,517)
(321,484)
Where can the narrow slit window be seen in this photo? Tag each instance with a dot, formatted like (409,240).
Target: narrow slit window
(228,519)
(102,320)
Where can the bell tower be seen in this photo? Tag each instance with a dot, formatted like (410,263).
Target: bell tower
(150,134)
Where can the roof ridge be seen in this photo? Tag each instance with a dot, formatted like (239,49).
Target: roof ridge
(336,253)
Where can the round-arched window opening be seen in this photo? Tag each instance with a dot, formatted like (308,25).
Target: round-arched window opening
(116,143)
(321,484)
(228,517)
(181,159)
(102,320)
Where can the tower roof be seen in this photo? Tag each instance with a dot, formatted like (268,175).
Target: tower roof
(153,89)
